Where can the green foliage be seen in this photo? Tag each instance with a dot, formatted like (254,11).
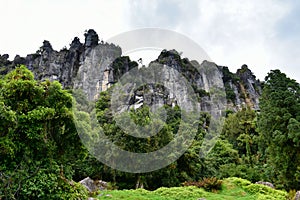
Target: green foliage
(179,192)
(292,194)
(221,154)
(246,171)
(239,181)
(262,191)
(185,168)
(229,79)
(265,192)
(230,95)
(38,139)
(228,76)
(232,188)
(41,152)
(82,103)
(209,184)
(121,65)
(240,130)
(278,126)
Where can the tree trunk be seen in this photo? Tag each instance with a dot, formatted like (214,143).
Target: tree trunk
(139,183)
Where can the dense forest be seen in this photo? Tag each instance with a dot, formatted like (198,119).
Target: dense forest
(42,156)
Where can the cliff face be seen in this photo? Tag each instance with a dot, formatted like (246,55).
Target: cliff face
(94,66)
(81,66)
(215,86)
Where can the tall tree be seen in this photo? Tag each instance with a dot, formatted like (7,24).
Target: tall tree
(38,139)
(279,132)
(239,130)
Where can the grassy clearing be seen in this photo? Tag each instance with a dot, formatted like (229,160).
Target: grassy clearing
(232,189)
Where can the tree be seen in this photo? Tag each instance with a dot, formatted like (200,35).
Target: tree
(239,130)
(278,126)
(187,167)
(38,139)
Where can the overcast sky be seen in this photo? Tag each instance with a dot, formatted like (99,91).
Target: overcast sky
(262,34)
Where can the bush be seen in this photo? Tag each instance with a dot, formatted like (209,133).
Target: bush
(239,181)
(208,184)
(265,190)
(42,184)
(262,191)
(245,171)
(179,192)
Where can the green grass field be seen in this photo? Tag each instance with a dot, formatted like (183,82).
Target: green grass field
(232,189)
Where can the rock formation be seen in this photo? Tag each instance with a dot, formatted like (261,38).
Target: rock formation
(94,66)
(80,66)
(266,184)
(93,186)
(214,85)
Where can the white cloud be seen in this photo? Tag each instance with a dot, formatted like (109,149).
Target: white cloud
(232,32)
(236,32)
(27,23)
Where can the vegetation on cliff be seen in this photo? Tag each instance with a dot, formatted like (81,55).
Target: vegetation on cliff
(42,156)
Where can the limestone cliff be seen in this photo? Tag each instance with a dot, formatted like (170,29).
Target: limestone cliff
(214,85)
(80,66)
(93,67)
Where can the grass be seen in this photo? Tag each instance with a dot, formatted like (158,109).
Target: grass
(232,189)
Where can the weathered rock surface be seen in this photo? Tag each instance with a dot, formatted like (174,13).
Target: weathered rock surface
(93,186)
(80,66)
(266,184)
(215,87)
(93,67)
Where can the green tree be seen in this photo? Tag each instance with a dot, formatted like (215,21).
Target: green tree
(187,167)
(38,139)
(278,126)
(240,130)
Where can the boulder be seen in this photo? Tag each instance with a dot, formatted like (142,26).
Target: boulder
(89,184)
(266,184)
(93,186)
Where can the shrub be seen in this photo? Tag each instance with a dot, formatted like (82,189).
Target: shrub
(239,181)
(265,190)
(177,193)
(245,171)
(208,184)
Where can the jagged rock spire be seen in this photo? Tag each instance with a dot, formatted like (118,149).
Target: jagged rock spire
(91,38)
(75,43)
(46,46)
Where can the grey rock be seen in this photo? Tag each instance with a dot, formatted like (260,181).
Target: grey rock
(78,67)
(89,184)
(251,85)
(46,47)
(266,184)
(76,44)
(90,76)
(92,185)
(18,60)
(102,185)
(5,56)
(94,67)
(297,196)
(91,38)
